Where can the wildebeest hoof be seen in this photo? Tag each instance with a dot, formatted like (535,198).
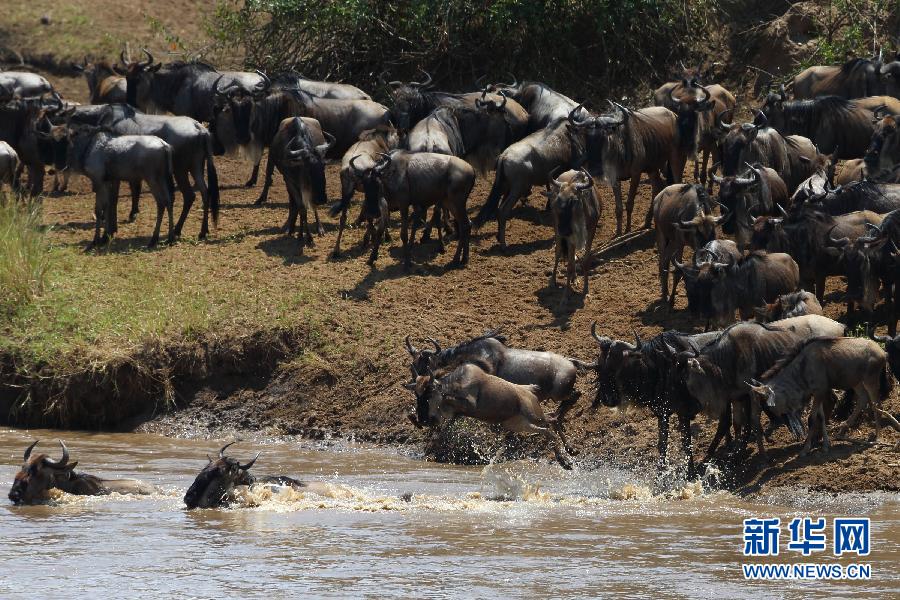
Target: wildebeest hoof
(571,451)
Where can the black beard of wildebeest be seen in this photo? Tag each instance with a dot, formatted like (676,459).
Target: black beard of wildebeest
(644,372)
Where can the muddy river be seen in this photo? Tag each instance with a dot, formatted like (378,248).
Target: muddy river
(514,529)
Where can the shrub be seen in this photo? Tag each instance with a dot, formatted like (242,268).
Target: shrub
(596,43)
(23,254)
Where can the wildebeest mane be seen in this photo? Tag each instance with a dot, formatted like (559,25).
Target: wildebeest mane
(269,112)
(852,197)
(453,352)
(794,352)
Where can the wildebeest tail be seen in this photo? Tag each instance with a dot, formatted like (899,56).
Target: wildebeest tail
(885,384)
(670,173)
(489,210)
(580,365)
(212,182)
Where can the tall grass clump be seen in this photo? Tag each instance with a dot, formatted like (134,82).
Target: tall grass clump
(24,256)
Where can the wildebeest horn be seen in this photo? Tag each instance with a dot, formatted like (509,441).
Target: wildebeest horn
(265,84)
(329,142)
(222,450)
(625,112)
(672,95)
(385,159)
(30,448)
(410,348)
(149,58)
(425,83)
(706,93)
(715,177)
(594,332)
(437,347)
(359,172)
(637,338)
(61,462)
(781,210)
(670,349)
(573,113)
(762,118)
(837,242)
(122,58)
(249,464)
(588,180)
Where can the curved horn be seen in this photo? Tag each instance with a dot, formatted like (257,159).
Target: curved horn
(706,93)
(781,210)
(712,173)
(763,120)
(249,464)
(149,58)
(835,241)
(425,83)
(410,348)
(30,448)
(65,457)
(588,180)
(637,338)
(572,115)
(594,332)
(359,172)
(265,84)
(720,121)
(222,450)
(437,347)
(386,159)
(122,58)
(672,95)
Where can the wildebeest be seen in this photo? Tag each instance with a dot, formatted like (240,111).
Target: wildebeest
(795,304)
(856,78)
(107,160)
(819,365)
(835,125)
(860,195)
(214,486)
(192,152)
(756,192)
(643,372)
(19,122)
(412,101)
(543,105)
(889,74)
(527,163)
(883,154)
(23,84)
(39,473)
(402,179)
(793,157)
(9,164)
(553,374)
(696,108)
(683,216)
(576,210)
(698,278)
(626,143)
(367,150)
(716,375)
(811,236)
(469,391)
(298,151)
(752,282)
(816,184)
(892,347)
(320,89)
(105,86)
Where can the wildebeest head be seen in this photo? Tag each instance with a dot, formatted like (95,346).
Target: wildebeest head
(618,364)
(884,149)
(701,228)
(861,259)
(890,76)
(737,142)
(409,102)
(421,358)
(215,482)
(427,389)
(600,131)
(892,347)
(139,76)
(699,281)
(694,100)
(301,151)
(370,178)
(769,234)
(235,104)
(773,108)
(38,474)
(567,197)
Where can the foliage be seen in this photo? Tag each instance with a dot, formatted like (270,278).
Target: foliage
(23,254)
(596,42)
(852,28)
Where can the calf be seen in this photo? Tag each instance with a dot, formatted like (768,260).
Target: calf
(470,392)
(576,212)
(105,86)
(39,473)
(816,367)
(683,217)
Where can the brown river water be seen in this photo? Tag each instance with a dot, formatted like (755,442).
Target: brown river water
(514,529)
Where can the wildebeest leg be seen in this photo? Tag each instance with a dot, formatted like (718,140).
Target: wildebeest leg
(874,402)
(684,426)
(135,187)
(662,441)
(306,191)
(629,206)
(520,424)
(336,252)
(187,193)
(378,232)
(506,206)
(617,193)
(160,191)
(820,288)
(100,194)
(860,402)
(253,176)
(586,260)
(664,258)
(458,211)
(676,277)
(112,217)
(721,431)
(656,186)
(891,297)
(203,190)
(557,255)
(816,425)
(559,418)
(267,183)
(404,236)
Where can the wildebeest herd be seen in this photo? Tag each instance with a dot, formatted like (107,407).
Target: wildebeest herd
(796,215)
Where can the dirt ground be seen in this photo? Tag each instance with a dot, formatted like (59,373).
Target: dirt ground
(370,310)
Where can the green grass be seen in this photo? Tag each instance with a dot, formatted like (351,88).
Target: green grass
(23,255)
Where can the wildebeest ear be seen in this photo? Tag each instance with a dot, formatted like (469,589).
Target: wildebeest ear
(155,68)
(410,385)
(804,159)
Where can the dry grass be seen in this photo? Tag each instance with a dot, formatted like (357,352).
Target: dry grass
(23,254)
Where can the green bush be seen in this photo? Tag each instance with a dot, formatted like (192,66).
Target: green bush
(23,254)
(593,44)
